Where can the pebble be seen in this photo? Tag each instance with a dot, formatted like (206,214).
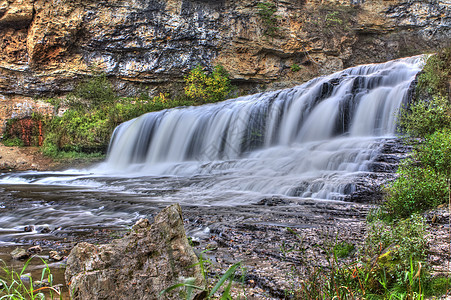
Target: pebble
(25,278)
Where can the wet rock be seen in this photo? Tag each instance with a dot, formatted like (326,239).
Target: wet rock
(45,230)
(55,256)
(25,278)
(139,266)
(141,223)
(34,249)
(272,201)
(20,254)
(28,228)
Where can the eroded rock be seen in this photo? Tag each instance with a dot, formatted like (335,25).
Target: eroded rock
(147,260)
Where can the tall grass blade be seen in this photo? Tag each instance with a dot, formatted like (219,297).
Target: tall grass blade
(228,274)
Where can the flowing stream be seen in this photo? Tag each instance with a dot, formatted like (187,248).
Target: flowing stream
(308,143)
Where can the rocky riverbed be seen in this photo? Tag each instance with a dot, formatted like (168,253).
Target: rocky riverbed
(279,240)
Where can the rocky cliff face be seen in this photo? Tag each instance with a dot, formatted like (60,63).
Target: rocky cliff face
(47,45)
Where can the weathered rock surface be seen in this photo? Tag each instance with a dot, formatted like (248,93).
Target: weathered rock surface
(147,260)
(45,45)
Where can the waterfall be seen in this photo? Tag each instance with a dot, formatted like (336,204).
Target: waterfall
(307,141)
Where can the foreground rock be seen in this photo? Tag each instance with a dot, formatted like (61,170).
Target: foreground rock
(147,260)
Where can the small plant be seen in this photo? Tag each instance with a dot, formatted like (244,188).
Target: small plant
(343,249)
(14,286)
(207,87)
(333,18)
(266,11)
(93,92)
(14,142)
(189,283)
(416,189)
(295,68)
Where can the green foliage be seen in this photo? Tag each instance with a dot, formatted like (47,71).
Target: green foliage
(425,117)
(416,189)
(435,153)
(389,265)
(295,68)
(18,285)
(437,286)
(397,250)
(436,75)
(343,249)
(407,235)
(12,142)
(333,18)
(189,283)
(93,92)
(266,11)
(203,87)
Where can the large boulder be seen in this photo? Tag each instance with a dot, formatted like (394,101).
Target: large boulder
(147,260)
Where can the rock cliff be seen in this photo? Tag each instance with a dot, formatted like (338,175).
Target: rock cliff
(47,45)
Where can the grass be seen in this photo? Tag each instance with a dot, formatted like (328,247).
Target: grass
(19,285)
(390,264)
(220,288)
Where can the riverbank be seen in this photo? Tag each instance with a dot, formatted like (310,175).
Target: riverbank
(14,158)
(24,158)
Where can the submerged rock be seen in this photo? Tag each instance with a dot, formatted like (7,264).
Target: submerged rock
(147,260)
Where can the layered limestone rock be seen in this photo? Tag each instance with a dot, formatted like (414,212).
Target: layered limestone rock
(47,45)
(146,261)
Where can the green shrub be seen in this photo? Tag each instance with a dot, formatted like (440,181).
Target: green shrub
(435,152)
(425,117)
(343,249)
(394,256)
(13,142)
(436,75)
(92,92)
(202,87)
(407,234)
(266,11)
(415,190)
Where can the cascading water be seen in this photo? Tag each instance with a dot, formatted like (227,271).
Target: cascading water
(309,144)
(308,141)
